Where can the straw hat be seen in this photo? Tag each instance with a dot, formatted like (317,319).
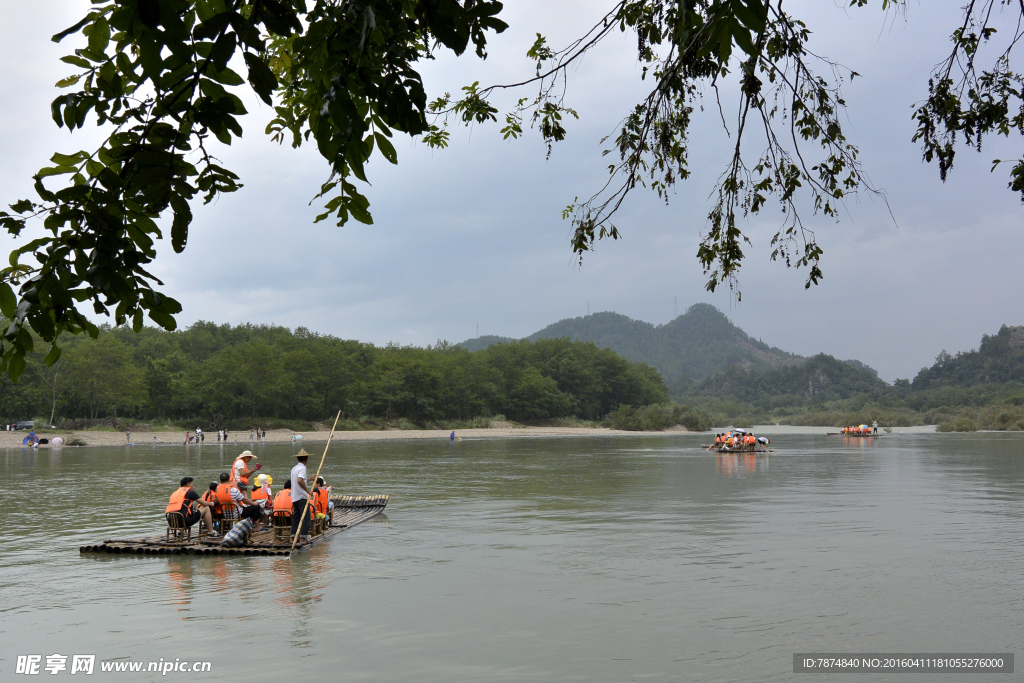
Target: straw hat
(247,454)
(302,454)
(264,480)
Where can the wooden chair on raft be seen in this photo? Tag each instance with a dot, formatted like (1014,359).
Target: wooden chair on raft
(179,533)
(228,518)
(281,522)
(176,529)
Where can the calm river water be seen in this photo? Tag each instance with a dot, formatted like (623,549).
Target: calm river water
(547,559)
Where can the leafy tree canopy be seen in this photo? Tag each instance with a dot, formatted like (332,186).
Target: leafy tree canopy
(160,76)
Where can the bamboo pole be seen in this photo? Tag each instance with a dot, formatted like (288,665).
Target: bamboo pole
(309,496)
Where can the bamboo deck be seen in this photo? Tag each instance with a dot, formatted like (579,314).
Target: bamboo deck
(726,449)
(856,436)
(348,512)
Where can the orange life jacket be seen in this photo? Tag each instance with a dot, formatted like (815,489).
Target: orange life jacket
(234,470)
(259,493)
(321,499)
(210,496)
(223,498)
(283,501)
(179,503)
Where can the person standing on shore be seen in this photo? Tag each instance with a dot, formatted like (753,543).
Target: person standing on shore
(300,492)
(874,427)
(127,435)
(188,437)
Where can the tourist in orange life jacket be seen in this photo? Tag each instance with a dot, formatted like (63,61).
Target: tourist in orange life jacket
(262,492)
(262,495)
(322,497)
(240,470)
(283,500)
(233,494)
(193,508)
(211,495)
(223,495)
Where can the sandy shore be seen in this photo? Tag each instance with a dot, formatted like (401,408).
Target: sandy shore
(240,439)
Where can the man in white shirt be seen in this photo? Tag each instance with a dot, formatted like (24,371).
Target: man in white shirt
(300,493)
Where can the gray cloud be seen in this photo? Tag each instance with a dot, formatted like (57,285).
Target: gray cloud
(473,233)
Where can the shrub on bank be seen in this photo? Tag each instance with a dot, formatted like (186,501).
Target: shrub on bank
(658,417)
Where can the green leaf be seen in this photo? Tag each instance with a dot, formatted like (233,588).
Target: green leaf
(73,29)
(179,227)
(754,15)
(75,60)
(225,76)
(99,36)
(68,82)
(213,26)
(163,320)
(262,79)
(53,356)
(742,37)
(386,148)
(137,320)
(8,302)
(149,13)
(222,50)
(68,159)
(17,365)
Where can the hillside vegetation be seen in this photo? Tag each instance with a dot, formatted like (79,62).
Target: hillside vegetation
(214,375)
(981,389)
(696,344)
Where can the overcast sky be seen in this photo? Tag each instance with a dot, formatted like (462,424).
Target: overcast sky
(473,234)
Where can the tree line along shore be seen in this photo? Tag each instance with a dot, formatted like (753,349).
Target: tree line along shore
(239,377)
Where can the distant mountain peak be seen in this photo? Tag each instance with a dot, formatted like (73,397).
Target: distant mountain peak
(694,345)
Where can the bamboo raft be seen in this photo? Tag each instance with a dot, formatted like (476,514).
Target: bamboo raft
(348,512)
(857,436)
(726,449)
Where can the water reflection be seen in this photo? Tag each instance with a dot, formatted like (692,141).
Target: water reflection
(742,464)
(860,441)
(537,560)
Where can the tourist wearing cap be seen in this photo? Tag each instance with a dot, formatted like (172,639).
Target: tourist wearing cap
(240,470)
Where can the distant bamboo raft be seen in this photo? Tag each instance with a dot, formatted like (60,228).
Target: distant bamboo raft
(853,435)
(348,512)
(760,448)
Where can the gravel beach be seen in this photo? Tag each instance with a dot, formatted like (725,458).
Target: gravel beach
(241,439)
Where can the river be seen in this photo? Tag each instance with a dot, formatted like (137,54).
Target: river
(638,558)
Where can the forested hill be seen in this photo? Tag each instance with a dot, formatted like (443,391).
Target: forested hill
(999,360)
(215,375)
(819,378)
(691,347)
(480,343)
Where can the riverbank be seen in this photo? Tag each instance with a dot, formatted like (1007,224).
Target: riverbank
(241,440)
